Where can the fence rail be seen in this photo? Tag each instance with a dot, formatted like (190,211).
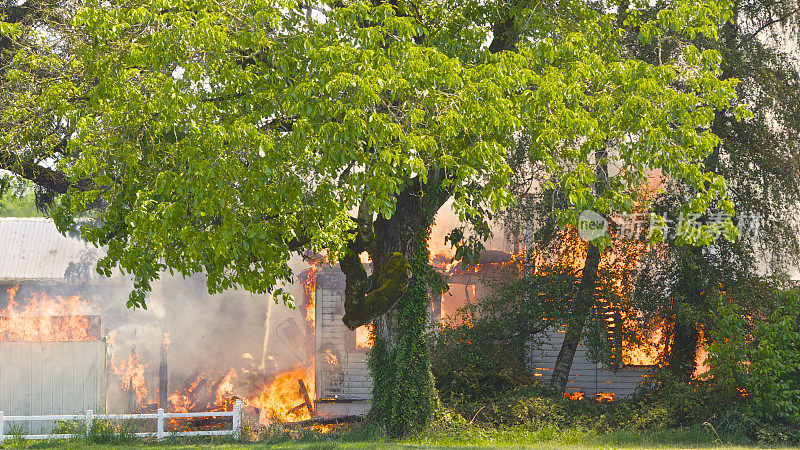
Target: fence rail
(89,417)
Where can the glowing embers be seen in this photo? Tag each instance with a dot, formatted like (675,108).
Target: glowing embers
(600,396)
(574,395)
(41,318)
(605,396)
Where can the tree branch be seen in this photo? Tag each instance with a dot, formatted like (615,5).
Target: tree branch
(780,19)
(45,177)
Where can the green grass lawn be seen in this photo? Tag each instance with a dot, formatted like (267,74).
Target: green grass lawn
(469,438)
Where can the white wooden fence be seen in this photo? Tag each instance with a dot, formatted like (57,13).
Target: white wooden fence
(235,430)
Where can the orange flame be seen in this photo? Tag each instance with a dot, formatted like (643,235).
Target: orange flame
(701,356)
(364,338)
(283,394)
(224,389)
(605,396)
(330,357)
(309,282)
(574,395)
(43,318)
(184,401)
(131,373)
(645,353)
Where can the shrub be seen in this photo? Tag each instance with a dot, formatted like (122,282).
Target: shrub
(469,362)
(757,359)
(526,407)
(484,351)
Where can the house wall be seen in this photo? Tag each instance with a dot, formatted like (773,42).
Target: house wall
(40,378)
(341,369)
(585,376)
(349,379)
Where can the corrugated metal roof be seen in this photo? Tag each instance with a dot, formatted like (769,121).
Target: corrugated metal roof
(33,249)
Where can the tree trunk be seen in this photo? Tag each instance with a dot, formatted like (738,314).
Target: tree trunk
(583,300)
(681,357)
(403,394)
(580,312)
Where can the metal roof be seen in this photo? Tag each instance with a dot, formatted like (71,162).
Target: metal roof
(33,249)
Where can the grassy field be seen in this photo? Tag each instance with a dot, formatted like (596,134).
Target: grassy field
(470,438)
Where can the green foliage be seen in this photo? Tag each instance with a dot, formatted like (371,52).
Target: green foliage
(540,406)
(102,431)
(758,155)
(217,132)
(470,362)
(772,434)
(483,351)
(759,358)
(18,201)
(222,136)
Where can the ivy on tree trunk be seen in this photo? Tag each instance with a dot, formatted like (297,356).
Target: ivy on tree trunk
(404,394)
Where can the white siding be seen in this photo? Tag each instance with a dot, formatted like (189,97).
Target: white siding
(350,378)
(40,378)
(585,376)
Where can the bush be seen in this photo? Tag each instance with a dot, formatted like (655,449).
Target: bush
(662,402)
(484,351)
(534,406)
(771,434)
(469,362)
(756,360)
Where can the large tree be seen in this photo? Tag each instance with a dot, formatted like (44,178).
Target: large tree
(223,135)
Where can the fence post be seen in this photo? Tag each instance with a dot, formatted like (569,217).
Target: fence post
(237,420)
(160,425)
(2,427)
(89,419)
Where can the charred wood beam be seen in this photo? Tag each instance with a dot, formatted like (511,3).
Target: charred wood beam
(306,399)
(163,379)
(329,421)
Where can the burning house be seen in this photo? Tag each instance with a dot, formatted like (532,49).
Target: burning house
(343,383)
(68,343)
(52,352)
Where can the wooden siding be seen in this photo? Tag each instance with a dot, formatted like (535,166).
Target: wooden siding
(585,376)
(349,379)
(41,378)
